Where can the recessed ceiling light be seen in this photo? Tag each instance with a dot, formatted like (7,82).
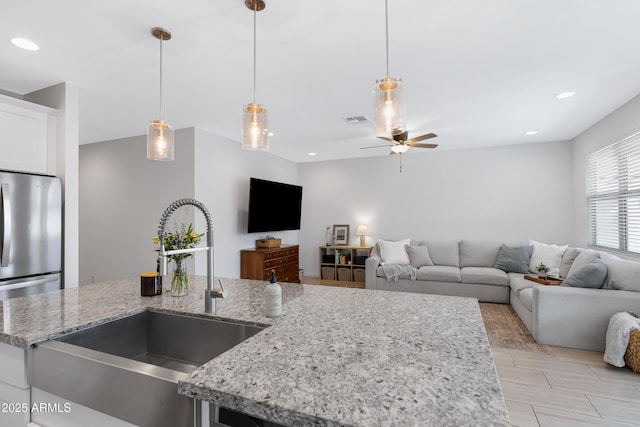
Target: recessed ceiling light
(565,95)
(311,154)
(531,132)
(24,44)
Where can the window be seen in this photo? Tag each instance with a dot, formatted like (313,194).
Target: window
(613,197)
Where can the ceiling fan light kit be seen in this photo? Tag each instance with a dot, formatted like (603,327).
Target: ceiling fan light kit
(159,132)
(254,134)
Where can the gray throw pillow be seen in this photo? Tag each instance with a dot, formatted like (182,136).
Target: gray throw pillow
(591,275)
(418,256)
(514,259)
(567,261)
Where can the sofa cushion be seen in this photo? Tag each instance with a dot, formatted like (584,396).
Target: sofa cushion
(526,298)
(549,255)
(514,259)
(484,275)
(478,253)
(591,275)
(584,258)
(517,282)
(439,273)
(394,252)
(444,252)
(622,274)
(418,256)
(567,261)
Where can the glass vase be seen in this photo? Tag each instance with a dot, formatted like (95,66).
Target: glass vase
(180,280)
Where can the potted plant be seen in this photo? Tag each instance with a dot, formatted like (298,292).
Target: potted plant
(268,241)
(542,271)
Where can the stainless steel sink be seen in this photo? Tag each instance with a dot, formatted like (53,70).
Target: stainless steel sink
(129,368)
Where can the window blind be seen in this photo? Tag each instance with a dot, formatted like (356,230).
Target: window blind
(613,196)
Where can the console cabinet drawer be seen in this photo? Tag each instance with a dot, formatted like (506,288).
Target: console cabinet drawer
(257,263)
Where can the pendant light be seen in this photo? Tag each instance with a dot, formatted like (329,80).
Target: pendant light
(388,98)
(254,134)
(159,133)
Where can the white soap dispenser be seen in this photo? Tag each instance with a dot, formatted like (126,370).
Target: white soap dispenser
(273,297)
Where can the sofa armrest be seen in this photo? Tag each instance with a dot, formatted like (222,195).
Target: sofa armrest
(370,266)
(577,317)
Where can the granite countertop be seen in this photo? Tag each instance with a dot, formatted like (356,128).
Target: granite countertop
(337,356)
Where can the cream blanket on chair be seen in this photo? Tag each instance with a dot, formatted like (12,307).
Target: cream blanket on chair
(620,326)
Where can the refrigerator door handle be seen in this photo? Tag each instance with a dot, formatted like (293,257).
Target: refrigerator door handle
(6,224)
(29,283)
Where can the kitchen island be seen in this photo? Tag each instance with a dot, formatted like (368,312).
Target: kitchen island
(337,357)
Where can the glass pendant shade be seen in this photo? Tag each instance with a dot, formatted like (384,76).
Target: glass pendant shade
(254,135)
(388,107)
(159,140)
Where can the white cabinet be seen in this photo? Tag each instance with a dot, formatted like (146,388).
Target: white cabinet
(27,137)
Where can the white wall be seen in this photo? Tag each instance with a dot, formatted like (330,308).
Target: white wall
(623,122)
(222,172)
(508,193)
(122,198)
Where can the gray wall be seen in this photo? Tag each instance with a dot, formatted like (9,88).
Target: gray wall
(509,193)
(623,122)
(122,197)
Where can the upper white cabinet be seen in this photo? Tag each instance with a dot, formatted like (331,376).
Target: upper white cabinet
(27,137)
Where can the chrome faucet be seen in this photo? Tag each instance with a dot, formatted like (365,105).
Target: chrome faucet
(210,294)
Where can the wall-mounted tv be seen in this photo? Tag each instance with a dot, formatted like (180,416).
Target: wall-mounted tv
(273,206)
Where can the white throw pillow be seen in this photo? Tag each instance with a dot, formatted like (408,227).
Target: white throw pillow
(549,255)
(394,252)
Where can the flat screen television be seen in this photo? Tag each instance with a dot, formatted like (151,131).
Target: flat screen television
(274,206)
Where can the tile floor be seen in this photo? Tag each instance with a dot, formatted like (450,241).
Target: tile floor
(568,388)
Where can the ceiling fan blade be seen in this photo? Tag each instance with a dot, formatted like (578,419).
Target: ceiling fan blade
(424,145)
(386,138)
(422,137)
(376,146)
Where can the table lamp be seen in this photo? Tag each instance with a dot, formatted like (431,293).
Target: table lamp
(361,231)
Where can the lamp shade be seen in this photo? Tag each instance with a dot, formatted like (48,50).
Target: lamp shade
(388,107)
(361,231)
(254,135)
(159,141)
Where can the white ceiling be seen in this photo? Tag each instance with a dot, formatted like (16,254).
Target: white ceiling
(477,73)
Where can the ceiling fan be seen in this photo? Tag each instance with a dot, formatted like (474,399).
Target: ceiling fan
(402,142)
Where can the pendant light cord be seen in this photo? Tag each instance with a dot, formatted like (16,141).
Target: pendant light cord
(161,38)
(386,24)
(255,7)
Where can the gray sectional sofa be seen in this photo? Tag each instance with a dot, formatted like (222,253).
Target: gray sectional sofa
(562,316)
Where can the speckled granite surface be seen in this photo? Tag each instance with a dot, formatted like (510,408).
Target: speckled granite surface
(337,357)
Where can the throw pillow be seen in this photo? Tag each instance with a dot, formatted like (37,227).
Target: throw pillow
(591,275)
(514,259)
(567,261)
(622,274)
(549,255)
(394,252)
(418,256)
(583,259)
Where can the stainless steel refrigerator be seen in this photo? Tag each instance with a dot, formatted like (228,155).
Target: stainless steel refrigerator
(30,234)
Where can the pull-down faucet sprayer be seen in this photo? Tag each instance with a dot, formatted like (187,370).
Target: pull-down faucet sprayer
(210,294)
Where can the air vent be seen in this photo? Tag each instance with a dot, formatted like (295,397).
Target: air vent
(356,120)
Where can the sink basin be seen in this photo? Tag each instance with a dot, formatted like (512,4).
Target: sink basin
(129,368)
